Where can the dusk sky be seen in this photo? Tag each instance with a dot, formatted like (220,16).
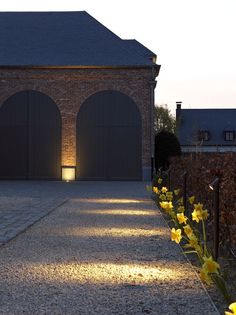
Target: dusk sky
(194,41)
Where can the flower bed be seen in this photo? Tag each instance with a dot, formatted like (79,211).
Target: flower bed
(190,229)
(201,171)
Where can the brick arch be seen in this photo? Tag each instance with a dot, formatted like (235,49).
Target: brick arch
(106,87)
(17,91)
(13,91)
(96,91)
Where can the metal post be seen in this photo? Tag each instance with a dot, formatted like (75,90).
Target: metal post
(153,83)
(216,220)
(215,186)
(168,180)
(160,172)
(185,190)
(152,168)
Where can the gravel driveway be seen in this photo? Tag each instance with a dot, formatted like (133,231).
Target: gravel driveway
(105,250)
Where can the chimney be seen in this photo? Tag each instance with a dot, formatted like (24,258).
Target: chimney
(178,105)
(178,110)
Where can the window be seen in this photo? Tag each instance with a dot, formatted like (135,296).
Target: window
(229,135)
(203,135)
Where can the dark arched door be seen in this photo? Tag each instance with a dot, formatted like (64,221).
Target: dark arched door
(30,137)
(109,138)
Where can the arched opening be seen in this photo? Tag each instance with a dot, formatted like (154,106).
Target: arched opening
(30,137)
(109,138)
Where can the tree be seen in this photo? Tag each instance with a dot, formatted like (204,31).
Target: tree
(166,146)
(163,119)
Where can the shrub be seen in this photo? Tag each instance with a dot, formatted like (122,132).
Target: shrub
(166,146)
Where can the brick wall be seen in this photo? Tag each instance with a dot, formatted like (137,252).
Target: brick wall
(69,88)
(201,171)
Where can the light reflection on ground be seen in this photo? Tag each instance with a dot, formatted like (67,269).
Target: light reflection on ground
(122,212)
(113,200)
(107,273)
(110,232)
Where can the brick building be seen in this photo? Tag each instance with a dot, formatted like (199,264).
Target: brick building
(73,94)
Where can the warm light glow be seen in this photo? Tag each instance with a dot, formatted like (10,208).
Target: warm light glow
(68,173)
(214,184)
(123,212)
(105,200)
(211,187)
(111,232)
(110,273)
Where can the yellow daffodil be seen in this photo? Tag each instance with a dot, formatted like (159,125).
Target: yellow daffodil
(167,205)
(210,266)
(155,189)
(191,200)
(205,277)
(159,180)
(200,214)
(188,231)
(181,218)
(163,197)
(195,216)
(176,235)
(204,214)
(176,192)
(164,190)
(198,206)
(163,204)
(181,209)
(169,195)
(232,307)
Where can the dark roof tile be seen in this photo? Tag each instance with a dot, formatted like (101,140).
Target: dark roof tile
(64,39)
(216,121)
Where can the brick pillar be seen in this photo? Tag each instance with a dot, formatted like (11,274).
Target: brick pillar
(68,139)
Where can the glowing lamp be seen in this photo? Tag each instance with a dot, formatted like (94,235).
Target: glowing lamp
(214,184)
(68,173)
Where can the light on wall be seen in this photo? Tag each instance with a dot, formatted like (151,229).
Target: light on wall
(68,173)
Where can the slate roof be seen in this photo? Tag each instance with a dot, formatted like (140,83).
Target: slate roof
(137,47)
(216,121)
(65,39)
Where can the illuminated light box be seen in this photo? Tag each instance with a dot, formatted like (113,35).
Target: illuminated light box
(68,173)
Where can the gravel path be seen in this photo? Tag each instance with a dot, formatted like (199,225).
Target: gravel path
(105,251)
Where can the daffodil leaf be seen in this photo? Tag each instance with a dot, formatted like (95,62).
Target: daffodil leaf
(187,246)
(190,252)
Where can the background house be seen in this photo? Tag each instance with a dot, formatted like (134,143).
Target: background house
(206,130)
(75,95)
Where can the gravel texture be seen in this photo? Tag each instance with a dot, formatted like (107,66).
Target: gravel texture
(106,250)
